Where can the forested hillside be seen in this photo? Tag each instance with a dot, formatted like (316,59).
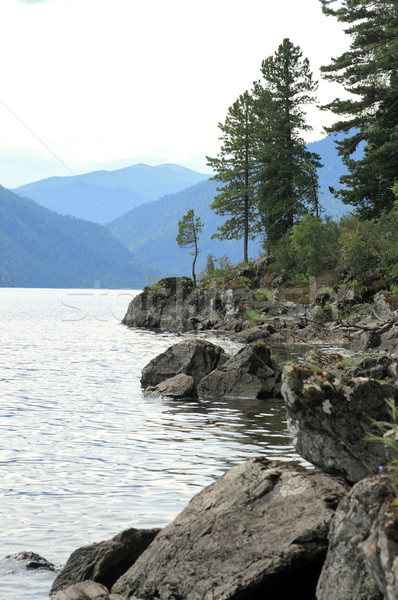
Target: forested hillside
(39,248)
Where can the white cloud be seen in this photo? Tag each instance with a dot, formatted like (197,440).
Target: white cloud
(113,82)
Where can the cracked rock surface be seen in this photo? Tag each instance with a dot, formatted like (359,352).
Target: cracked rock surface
(260,529)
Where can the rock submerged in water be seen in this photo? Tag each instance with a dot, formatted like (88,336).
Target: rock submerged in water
(104,562)
(32,561)
(258,531)
(251,373)
(197,368)
(177,371)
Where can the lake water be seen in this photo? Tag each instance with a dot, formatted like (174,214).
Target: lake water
(83,455)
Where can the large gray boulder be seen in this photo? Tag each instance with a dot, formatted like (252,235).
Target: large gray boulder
(195,358)
(105,561)
(87,590)
(344,574)
(251,373)
(260,531)
(330,419)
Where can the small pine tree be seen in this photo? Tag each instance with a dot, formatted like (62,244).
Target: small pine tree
(188,230)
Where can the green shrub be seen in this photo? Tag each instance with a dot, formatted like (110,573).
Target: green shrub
(315,243)
(372,244)
(153,283)
(389,437)
(358,247)
(263,294)
(394,289)
(284,256)
(254,316)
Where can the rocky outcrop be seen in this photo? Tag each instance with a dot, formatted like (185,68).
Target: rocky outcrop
(345,573)
(259,531)
(105,561)
(175,305)
(293,313)
(381,550)
(251,373)
(88,590)
(288,329)
(177,371)
(330,420)
(162,306)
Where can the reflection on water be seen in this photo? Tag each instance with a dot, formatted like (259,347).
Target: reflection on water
(83,454)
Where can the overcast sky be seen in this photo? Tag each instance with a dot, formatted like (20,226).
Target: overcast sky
(89,84)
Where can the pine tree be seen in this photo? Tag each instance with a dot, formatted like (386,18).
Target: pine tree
(368,70)
(189,229)
(287,175)
(235,168)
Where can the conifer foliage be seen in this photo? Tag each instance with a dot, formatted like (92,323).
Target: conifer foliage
(235,168)
(269,177)
(369,72)
(287,175)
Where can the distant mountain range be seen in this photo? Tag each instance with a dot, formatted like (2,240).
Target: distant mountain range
(101,196)
(39,248)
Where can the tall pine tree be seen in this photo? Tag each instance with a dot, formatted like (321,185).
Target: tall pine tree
(368,70)
(235,168)
(287,175)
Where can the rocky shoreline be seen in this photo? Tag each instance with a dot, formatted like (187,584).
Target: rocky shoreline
(358,317)
(267,529)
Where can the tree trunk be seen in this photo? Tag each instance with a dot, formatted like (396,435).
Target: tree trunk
(246,215)
(246,233)
(195,239)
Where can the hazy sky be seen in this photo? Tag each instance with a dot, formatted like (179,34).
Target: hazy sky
(108,83)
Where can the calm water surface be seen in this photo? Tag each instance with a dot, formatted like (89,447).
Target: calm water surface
(83,454)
